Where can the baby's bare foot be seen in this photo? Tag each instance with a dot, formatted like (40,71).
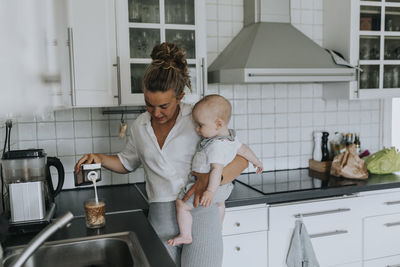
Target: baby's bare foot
(180,239)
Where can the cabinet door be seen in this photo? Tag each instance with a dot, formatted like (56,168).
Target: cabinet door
(384,262)
(144,24)
(381,236)
(245,250)
(92,45)
(331,224)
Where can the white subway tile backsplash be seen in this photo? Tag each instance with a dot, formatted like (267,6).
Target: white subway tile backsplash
(294,120)
(28,144)
(83,129)
(225,30)
(307,90)
(294,105)
(268,106)
(117,178)
(295,16)
(268,135)
(117,144)
(137,176)
(226,91)
(240,122)
(281,135)
(295,4)
(281,163)
(306,119)
(281,90)
(65,130)
(27,131)
(65,147)
(97,114)
(82,114)
(281,105)
(46,130)
(46,117)
(331,105)
(212,12)
(268,120)
(101,145)
(281,120)
(254,121)
(306,104)
(83,146)
(240,106)
(254,106)
(254,91)
(64,115)
(240,91)
(318,119)
(267,91)
(243,136)
(100,128)
(49,146)
(281,149)
(268,150)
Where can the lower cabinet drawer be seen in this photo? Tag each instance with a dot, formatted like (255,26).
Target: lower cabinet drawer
(245,221)
(381,236)
(393,261)
(245,250)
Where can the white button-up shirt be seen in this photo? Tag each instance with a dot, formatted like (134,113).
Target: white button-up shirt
(167,170)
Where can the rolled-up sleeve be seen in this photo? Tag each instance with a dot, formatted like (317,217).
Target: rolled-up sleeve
(129,156)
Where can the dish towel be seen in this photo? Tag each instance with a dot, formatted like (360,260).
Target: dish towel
(301,252)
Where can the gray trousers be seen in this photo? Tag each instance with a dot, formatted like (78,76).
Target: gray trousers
(206,249)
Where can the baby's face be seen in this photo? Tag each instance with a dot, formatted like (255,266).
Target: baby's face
(206,123)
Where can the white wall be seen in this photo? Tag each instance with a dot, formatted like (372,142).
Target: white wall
(276,120)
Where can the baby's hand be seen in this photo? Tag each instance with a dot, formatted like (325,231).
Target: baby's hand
(207,198)
(259,167)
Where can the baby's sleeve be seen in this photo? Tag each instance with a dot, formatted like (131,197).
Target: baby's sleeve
(216,152)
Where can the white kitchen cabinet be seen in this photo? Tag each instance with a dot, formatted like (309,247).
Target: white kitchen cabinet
(367,34)
(245,236)
(141,24)
(334,227)
(92,52)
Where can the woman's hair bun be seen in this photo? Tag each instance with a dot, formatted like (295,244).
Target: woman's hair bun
(169,55)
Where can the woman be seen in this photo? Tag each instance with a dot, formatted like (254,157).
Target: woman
(164,141)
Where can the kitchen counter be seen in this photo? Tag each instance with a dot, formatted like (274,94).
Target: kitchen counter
(134,221)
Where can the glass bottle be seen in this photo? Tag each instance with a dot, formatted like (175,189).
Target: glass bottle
(349,139)
(324,147)
(357,143)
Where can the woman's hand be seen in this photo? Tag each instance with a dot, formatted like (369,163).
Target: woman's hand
(199,187)
(88,159)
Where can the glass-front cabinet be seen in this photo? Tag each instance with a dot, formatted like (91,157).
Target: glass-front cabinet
(142,24)
(369,37)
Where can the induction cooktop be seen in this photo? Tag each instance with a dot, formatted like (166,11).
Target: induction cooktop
(281,181)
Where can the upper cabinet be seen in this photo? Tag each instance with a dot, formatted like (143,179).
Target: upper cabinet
(110,42)
(367,34)
(93,76)
(142,24)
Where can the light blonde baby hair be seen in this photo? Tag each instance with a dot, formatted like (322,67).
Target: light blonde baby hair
(217,105)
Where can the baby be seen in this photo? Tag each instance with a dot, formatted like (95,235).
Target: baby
(217,148)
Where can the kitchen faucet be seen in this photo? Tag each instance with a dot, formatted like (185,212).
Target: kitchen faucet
(39,239)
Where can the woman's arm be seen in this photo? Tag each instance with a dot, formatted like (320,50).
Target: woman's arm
(229,173)
(111,162)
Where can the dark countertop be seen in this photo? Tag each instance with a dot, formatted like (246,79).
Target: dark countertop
(126,205)
(134,221)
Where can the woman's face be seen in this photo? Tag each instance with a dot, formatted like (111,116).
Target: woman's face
(162,106)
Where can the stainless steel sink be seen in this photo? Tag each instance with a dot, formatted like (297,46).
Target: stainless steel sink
(119,249)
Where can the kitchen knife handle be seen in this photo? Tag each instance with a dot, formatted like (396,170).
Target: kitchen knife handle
(70,44)
(317,213)
(118,65)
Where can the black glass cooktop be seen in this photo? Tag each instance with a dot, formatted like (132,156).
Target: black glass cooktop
(271,182)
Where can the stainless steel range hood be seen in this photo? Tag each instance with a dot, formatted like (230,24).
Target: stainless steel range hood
(270,50)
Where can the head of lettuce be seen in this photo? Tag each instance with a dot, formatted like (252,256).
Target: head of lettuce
(384,161)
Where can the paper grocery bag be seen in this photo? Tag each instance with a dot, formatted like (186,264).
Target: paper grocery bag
(349,165)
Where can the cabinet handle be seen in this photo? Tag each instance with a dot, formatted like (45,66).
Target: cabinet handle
(70,43)
(118,65)
(317,213)
(393,265)
(397,202)
(392,224)
(237,248)
(359,70)
(336,232)
(203,76)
